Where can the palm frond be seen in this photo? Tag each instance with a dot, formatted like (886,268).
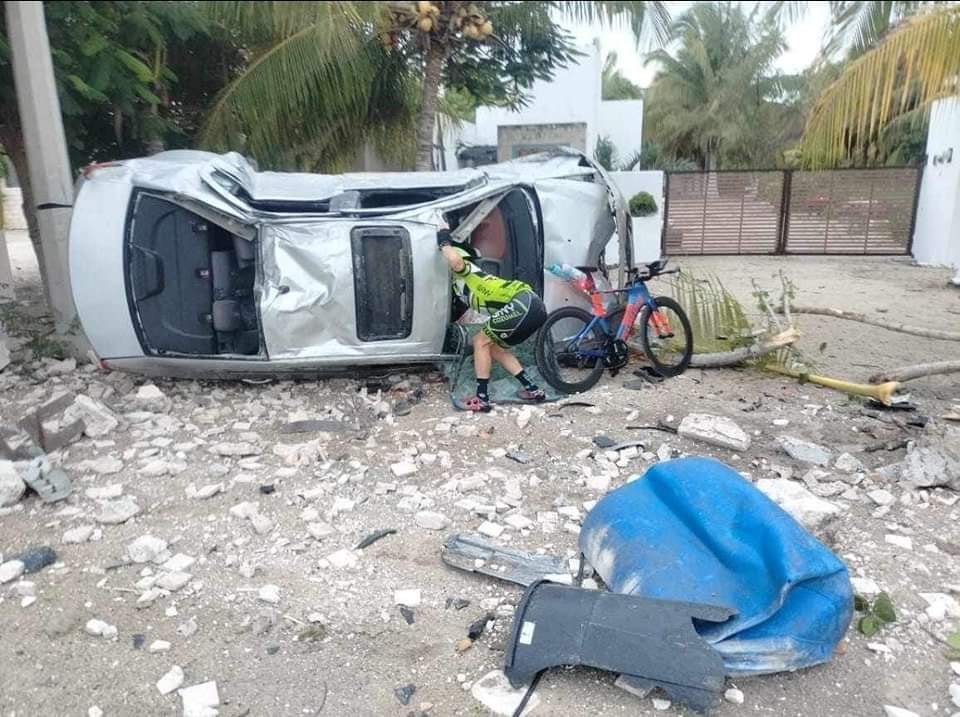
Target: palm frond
(716,317)
(914,66)
(862,24)
(647,20)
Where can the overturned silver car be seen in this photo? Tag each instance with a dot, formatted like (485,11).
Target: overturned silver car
(195,264)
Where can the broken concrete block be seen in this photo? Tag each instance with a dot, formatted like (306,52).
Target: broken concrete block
(804,451)
(80,534)
(848,463)
(114,512)
(146,549)
(806,508)
(269,594)
(98,420)
(901,541)
(714,430)
(200,700)
(934,465)
(343,558)
(12,486)
(491,530)
(11,570)
(171,681)
(403,469)
(941,606)
(430,520)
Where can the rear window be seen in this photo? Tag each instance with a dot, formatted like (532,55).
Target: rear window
(383,282)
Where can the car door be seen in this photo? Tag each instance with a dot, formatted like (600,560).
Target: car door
(352,290)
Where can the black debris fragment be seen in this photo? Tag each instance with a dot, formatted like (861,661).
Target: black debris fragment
(138,640)
(405,693)
(374,537)
(408,614)
(602,441)
(267,488)
(479,625)
(36,559)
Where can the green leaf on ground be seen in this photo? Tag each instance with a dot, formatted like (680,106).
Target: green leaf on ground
(883,608)
(868,625)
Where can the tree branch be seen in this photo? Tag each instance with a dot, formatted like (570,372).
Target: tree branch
(882,323)
(731,358)
(906,373)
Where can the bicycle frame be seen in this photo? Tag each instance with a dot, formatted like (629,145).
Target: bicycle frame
(637,297)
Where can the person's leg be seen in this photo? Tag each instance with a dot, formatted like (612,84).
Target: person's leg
(503,356)
(482,364)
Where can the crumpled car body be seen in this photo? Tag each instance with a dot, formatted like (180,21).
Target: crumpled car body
(194,264)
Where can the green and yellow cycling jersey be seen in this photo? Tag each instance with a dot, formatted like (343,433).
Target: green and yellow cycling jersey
(485,292)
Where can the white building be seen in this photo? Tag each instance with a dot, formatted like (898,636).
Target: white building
(568,111)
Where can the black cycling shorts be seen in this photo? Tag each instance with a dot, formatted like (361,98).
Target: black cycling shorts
(517,320)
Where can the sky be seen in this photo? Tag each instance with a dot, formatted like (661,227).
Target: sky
(803,40)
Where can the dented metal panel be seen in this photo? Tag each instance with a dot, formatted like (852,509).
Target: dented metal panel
(307,292)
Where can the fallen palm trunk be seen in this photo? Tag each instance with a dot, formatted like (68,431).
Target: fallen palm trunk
(883,392)
(906,373)
(746,353)
(864,319)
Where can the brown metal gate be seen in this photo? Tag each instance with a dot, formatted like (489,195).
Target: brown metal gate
(841,211)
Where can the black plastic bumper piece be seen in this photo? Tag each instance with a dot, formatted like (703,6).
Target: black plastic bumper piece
(651,642)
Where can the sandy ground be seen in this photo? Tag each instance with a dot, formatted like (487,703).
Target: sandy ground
(258,653)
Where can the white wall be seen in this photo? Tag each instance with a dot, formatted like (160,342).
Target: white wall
(936,238)
(646,230)
(572,96)
(622,122)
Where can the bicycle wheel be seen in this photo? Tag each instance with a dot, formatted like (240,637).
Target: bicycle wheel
(666,337)
(563,347)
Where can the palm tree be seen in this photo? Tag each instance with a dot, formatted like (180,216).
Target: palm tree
(614,85)
(324,77)
(912,67)
(711,100)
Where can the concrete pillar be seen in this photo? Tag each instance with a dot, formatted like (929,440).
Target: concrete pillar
(936,237)
(46,145)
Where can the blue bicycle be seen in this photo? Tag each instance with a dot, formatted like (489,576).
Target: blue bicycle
(574,346)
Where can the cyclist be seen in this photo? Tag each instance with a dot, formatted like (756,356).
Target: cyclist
(515,311)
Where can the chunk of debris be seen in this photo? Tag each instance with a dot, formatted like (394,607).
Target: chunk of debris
(36,559)
(158,646)
(12,486)
(80,534)
(473,554)
(891,711)
(714,430)
(104,492)
(99,628)
(927,466)
(523,417)
(881,496)
(146,549)
(805,451)
(269,594)
(518,456)
(319,530)
(98,420)
(430,520)
(115,512)
(899,541)
(404,694)
(941,606)
(490,529)
(343,558)
(11,570)
(809,510)
(495,692)
(200,700)
(50,482)
(734,696)
(170,681)
(403,469)
(409,597)
(374,537)
(206,491)
(848,463)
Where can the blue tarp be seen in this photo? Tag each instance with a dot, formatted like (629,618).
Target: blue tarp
(694,530)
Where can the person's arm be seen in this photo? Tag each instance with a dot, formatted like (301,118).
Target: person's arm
(453,258)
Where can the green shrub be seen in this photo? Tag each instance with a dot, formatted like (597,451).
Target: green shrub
(642,204)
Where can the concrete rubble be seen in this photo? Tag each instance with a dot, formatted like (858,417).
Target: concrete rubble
(205,538)
(714,430)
